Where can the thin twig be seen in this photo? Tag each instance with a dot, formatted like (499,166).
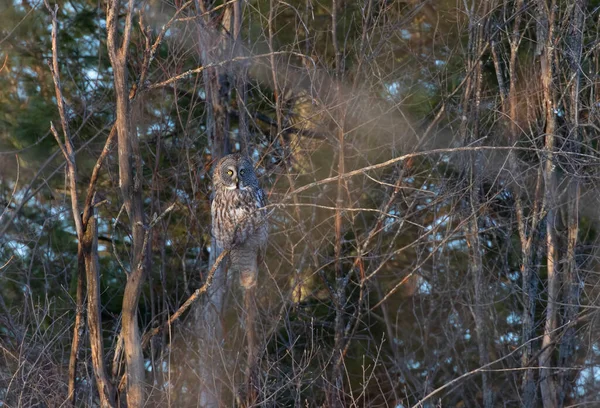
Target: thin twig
(404,158)
(197,293)
(218,64)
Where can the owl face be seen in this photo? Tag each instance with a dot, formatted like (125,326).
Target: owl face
(236,172)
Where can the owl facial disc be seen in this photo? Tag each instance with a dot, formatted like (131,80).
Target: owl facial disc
(236,182)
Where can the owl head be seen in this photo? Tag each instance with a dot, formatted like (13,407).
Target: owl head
(235,172)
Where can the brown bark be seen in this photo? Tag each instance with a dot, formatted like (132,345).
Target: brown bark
(78,330)
(527,226)
(212,46)
(240,73)
(545,36)
(129,166)
(336,395)
(471,107)
(571,279)
(87,245)
(90,255)
(529,288)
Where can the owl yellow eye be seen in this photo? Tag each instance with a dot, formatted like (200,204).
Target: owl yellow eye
(242,172)
(230,172)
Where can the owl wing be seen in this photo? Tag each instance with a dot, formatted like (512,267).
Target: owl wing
(261,198)
(211,196)
(263,228)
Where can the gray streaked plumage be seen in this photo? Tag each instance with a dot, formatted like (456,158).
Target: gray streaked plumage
(238,215)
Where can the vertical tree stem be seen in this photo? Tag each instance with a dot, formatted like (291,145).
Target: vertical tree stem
(86,251)
(337,392)
(471,106)
(129,166)
(571,281)
(545,36)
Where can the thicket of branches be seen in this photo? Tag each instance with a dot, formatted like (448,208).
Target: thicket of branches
(431,169)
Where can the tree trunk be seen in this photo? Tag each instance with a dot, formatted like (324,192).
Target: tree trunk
(90,255)
(87,243)
(130,172)
(336,394)
(78,328)
(527,226)
(471,107)
(571,281)
(545,36)
(208,313)
(207,319)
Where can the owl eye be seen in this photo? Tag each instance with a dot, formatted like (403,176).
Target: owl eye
(230,172)
(242,171)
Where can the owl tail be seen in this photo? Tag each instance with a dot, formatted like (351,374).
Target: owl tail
(244,261)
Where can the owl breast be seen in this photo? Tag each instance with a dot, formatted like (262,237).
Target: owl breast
(239,218)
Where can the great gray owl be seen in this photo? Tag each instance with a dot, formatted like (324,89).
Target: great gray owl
(239,221)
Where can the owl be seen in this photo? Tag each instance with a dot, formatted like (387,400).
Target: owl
(239,217)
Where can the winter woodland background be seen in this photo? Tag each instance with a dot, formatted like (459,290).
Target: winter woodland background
(432,169)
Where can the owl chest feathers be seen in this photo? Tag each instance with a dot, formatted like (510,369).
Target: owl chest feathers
(238,218)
